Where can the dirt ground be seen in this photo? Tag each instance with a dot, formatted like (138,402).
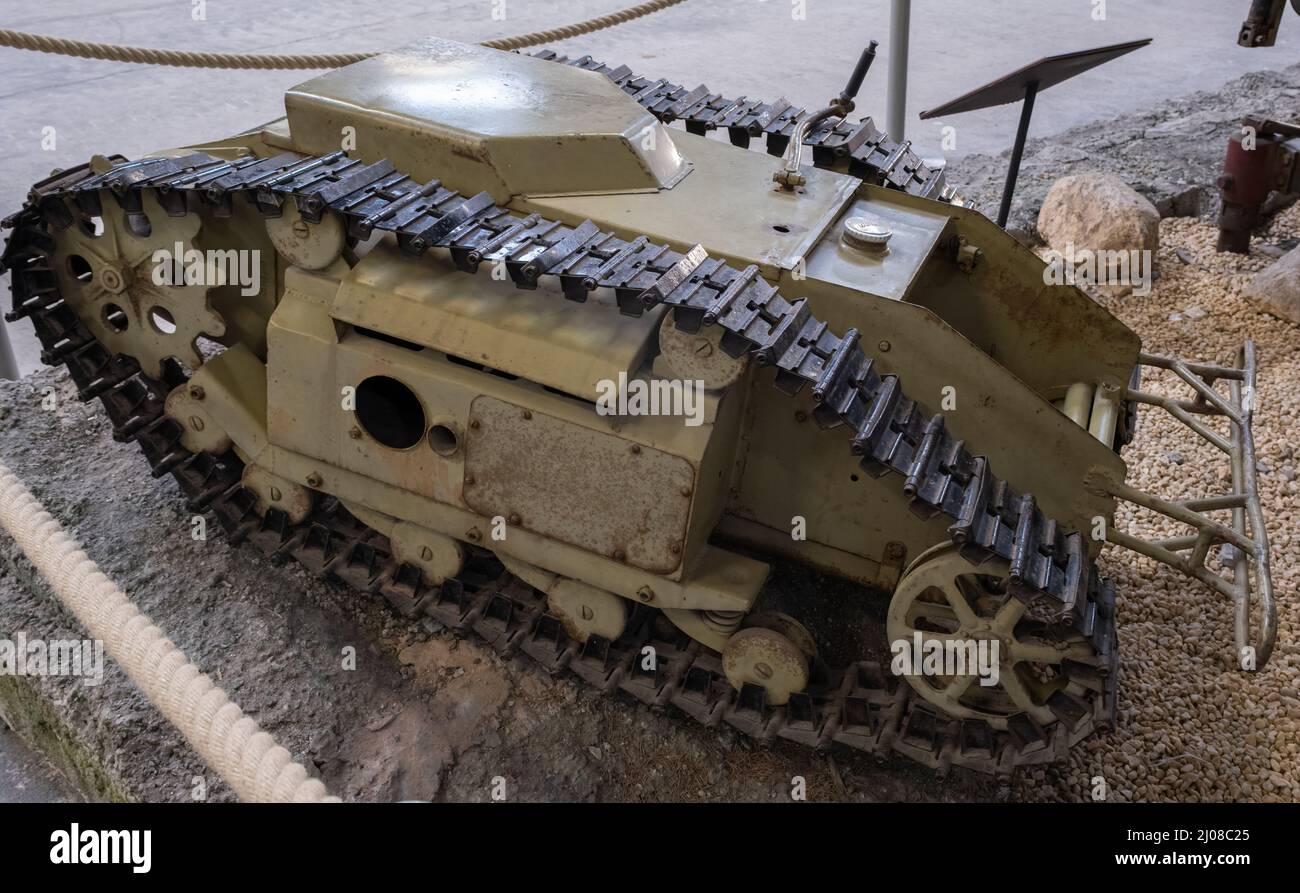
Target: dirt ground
(426,716)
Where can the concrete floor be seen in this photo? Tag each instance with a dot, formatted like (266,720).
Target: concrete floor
(750,47)
(24,778)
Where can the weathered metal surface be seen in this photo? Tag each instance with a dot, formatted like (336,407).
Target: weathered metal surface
(534,471)
(561,344)
(1260,160)
(698,356)
(857,147)
(500,122)
(280,494)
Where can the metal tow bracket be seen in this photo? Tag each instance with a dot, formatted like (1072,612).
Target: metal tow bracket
(1245,540)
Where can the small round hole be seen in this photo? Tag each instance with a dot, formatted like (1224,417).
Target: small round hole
(92,226)
(854,478)
(443,440)
(162,320)
(79,267)
(781,228)
(115,319)
(390,412)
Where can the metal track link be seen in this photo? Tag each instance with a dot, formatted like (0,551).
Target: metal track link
(861,706)
(858,148)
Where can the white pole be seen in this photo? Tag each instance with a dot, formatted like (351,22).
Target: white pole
(900,16)
(8,366)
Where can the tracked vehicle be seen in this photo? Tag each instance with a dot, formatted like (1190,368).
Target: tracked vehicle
(375,335)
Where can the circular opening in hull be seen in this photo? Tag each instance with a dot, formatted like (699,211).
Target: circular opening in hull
(390,412)
(443,440)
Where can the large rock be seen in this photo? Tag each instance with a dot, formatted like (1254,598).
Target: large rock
(1276,288)
(1098,212)
(1095,212)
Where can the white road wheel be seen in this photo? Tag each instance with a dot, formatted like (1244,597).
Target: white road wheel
(945,599)
(766,658)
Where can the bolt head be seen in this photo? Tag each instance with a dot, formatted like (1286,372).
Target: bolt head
(112,279)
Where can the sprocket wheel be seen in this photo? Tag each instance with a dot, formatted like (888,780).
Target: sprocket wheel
(106,268)
(944,597)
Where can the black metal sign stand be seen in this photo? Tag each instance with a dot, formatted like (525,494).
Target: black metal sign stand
(1023,85)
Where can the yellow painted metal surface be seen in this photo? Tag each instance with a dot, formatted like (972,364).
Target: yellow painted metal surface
(578,485)
(536,334)
(484,119)
(728,204)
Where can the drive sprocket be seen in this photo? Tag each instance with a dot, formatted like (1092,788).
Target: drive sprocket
(138,282)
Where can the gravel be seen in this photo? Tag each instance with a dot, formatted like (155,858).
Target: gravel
(1192,726)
